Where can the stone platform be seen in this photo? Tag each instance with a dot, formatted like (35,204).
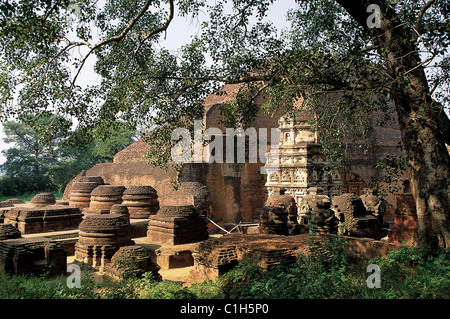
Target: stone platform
(177,225)
(32,255)
(169,256)
(30,220)
(68,238)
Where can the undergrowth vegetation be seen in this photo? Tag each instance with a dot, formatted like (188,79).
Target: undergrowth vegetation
(327,272)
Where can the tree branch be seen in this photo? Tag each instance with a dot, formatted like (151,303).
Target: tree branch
(185,88)
(419,19)
(127,29)
(116,38)
(227,80)
(119,37)
(16,131)
(242,16)
(160,29)
(72,84)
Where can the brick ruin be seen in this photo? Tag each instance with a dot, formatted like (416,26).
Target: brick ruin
(43,199)
(288,203)
(177,236)
(41,215)
(20,256)
(80,195)
(316,213)
(404,229)
(355,220)
(131,261)
(101,236)
(128,212)
(8,231)
(177,225)
(141,201)
(103,197)
(237,192)
(24,244)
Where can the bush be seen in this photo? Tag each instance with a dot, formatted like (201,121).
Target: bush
(411,272)
(27,287)
(320,274)
(407,272)
(147,287)
(92,289)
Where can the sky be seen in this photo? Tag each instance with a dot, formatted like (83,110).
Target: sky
(179,33)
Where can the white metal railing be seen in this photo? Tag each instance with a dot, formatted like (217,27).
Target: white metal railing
(231,230)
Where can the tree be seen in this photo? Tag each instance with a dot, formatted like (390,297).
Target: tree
(73,158)
(398,41)
(44,157)
(366,53)
(119,137)
(34,151)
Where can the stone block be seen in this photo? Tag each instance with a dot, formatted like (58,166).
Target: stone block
(31,220)
(32,255)
(177,225)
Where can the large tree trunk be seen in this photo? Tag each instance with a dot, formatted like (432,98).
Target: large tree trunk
(427,158)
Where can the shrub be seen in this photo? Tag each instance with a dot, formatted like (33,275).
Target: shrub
(27,287)
(319,274)
(413,272)
(147,287)
(92,289)
(207,289)
(326,272)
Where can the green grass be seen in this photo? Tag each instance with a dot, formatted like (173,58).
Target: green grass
(28,196)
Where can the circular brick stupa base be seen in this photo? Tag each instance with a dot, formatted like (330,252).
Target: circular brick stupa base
(80,195)
(132,260)
(142,201)
(43,199)
(100,237)
(103,198)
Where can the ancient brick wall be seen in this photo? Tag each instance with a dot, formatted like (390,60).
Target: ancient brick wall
(236,190)
(136,152)
(136,173)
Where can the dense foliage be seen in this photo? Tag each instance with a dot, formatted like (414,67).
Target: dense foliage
(43,158)
(407,272)
(46,44)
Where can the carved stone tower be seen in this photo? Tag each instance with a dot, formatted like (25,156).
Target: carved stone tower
(301,162)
